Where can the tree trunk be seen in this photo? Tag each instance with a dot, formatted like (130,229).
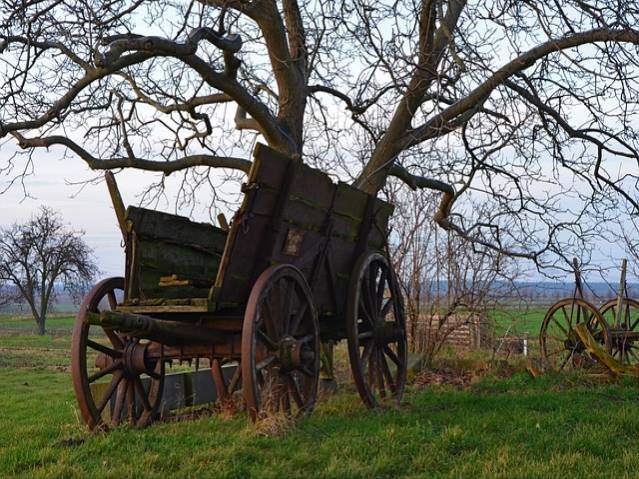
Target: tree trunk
(40,322)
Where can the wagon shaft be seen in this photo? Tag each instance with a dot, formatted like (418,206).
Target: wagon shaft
(166,332)
(624,335)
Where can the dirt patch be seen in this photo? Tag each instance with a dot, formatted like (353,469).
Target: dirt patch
(462,377)
(445,376)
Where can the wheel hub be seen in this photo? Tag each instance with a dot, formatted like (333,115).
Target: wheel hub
(386,332)
(136,359)
(291,354)
(575,346)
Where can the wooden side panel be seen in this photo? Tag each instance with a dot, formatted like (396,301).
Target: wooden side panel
(243,257)
(289,214)
(166,245)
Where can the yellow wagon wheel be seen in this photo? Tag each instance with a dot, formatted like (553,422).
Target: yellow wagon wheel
(560,345)
(625,335)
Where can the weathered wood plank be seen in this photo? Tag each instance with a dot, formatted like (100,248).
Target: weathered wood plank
(176,229)
(601,355)
(167,332)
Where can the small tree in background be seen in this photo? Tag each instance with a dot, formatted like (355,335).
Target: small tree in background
(449,282)
(41,254)
(6,294)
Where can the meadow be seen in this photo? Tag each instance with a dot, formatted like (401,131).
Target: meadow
(491,426)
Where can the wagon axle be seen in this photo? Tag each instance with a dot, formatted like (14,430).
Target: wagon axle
(292,355)
(386,332)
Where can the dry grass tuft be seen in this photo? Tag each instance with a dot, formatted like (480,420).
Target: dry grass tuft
(274,425)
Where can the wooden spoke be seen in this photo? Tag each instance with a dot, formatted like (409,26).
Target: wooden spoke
(130,402)
(565,361)
(295,392)
(103,372)
(299,315)
(305,339)
(380,375)
(270,322)
(116,342)
(366,354)
(119,404)
(117,377)
(391,354)
(365,335)
(265,362)
(366,313)
(113,303)
(104,349)
(387,374)
(139,387)
(568,319)
(386,308)
(271,344)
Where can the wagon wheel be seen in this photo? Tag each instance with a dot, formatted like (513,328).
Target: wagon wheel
(280,345)
(99,354)
(225,386)
(624,338)
(376,331)
(560,345)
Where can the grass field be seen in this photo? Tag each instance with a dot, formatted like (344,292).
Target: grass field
(517,323)
(515,427)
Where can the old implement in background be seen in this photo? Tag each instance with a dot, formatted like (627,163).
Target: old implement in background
(302,262)
(560,344)
(614,327)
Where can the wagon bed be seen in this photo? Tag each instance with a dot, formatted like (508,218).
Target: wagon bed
(291,213)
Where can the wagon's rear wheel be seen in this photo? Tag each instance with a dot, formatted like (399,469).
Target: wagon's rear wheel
(108,367)
(625,335)
(376,331)
(560,345)
(280,345)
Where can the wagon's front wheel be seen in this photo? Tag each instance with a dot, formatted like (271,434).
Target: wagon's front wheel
(280,345)
(376,331)
(113,376)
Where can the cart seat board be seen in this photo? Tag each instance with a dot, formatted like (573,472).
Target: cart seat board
(162,246)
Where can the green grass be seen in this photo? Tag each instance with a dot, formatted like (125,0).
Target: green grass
(521,427)
(25,324)
(554,426)
(516,322)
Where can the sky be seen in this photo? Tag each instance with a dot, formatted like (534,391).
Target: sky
(83,207)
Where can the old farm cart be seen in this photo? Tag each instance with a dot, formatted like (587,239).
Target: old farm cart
(302,262)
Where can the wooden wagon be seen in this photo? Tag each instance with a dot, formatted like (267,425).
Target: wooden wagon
(303,262)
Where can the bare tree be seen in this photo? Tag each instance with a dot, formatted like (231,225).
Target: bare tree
(529,105)
(41,255)
(449,283)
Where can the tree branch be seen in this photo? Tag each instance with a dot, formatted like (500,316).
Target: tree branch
(166,167)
